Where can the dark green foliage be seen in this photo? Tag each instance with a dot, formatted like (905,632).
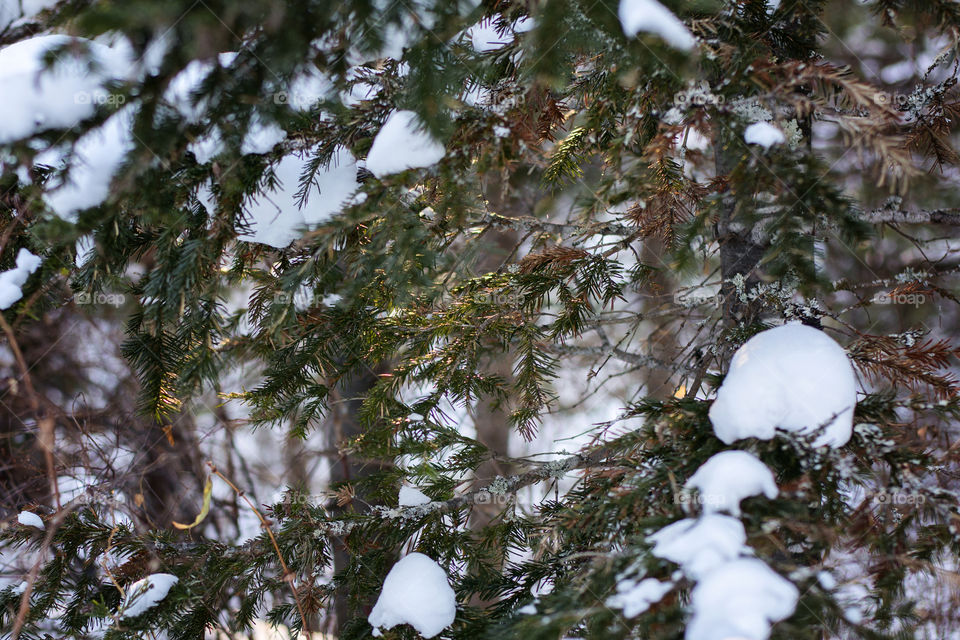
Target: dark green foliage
(400,284)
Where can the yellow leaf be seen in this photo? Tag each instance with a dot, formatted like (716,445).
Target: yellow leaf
(204,510)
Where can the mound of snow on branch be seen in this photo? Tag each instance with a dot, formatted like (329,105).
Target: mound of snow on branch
(10,291)
(415,592)
(652,17)
(486,36)
(28,518)
(273,217)
(145,594)
(702,544)
(13,10)
(737,596)
(764,134)
(792,377)
(636,597)
(402,144)
(740,599)
(730,476)
(413,497)
(96,157)
(38,97)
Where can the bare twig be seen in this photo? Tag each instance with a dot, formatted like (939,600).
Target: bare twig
(287,574)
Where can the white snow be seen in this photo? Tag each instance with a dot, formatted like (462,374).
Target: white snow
(412,497)
(792,377)
(146,593)
(58,97)
(764,134)
(306,90)
(636,597)
(273,217)
(207,147)
(702,544)
(182,91)
(13,10)
(262,138)
(402,144)
(30,519)
(96,157)
(740,599)
(826,580)
(336,183)
(484,36)
(415,592)
(11,282)
(730,476)
(652,17)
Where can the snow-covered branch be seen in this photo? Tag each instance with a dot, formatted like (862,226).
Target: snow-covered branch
(895,215)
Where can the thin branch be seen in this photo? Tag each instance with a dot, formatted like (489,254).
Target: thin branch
(45,423)
(617,353)
(535,224)
(895,215)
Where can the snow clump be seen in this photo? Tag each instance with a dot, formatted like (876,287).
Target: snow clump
(415,592)
(652,17)
(764,134)
(30,519)
(792,377)
(729,477)
(145,594)
(412,497)
(402,144)
(11,282)
(740,599)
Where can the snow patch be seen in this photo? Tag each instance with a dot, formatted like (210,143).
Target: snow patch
(96,157)
(485,36)
(740,599)
(336,183)
(10,289)
(792,377)
(402,144)
(764,134)
(146,593)
(412,497)
(415,592)
(182,91)
(59,96)
(652,17)
(702,544)
(30,519)
(636,597)
(730,476)
(273,217)
(262,138)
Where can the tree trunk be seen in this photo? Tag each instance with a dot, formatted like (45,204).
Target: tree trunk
(739,254)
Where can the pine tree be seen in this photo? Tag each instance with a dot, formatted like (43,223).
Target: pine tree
(669,181)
